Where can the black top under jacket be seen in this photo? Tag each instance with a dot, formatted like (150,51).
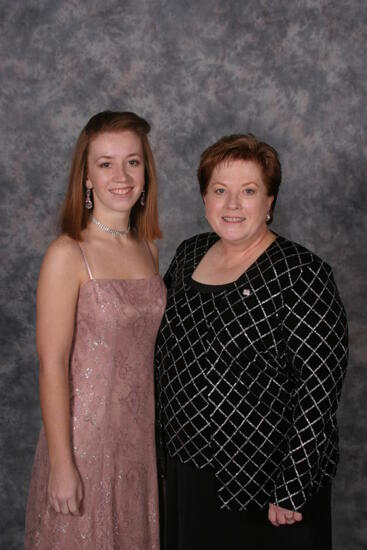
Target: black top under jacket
(256,397)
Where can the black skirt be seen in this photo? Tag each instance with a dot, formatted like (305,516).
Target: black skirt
(193,520)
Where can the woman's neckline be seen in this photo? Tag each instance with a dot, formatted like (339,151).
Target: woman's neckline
(206,287)
(116,279)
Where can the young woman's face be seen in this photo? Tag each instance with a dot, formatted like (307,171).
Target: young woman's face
(236,201)
(115,171)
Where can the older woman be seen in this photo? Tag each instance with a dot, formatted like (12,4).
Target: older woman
(250,358)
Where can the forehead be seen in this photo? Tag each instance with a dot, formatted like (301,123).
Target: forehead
(237,170)
(124,142)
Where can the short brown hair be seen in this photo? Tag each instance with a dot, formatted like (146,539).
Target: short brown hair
(242,147)
(74,216)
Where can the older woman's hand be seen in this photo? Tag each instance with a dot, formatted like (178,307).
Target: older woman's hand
(281,516)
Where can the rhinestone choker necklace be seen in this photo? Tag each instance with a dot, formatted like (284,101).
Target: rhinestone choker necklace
(107,229)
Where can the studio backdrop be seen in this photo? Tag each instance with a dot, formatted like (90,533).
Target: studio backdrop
(291,72)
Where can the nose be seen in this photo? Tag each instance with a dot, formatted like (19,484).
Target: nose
(233,201)
(120,173)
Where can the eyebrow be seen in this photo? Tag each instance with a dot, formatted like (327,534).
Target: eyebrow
(217,182)
(111,156)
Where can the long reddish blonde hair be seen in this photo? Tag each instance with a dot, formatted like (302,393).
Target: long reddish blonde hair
(74,215)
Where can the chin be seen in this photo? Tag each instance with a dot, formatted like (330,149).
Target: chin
(124,207)
(231,233)
(235,238)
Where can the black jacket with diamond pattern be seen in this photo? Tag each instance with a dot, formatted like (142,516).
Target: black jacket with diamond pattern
(276,360)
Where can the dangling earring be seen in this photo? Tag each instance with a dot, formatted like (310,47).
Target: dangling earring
(142,198)
(88,201)
(268,217)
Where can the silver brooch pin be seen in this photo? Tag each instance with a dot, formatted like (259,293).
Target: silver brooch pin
(246,292)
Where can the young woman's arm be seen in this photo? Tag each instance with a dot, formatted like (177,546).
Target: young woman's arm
(57,295)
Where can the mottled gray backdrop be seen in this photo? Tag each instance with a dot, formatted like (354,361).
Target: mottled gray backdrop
(292,72)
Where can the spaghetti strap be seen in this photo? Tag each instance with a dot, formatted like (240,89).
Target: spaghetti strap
(86,262)
(151,255)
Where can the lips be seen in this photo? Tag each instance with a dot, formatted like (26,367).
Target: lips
(121,191)
(233,219)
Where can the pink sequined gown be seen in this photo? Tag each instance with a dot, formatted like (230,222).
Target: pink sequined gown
(112,418)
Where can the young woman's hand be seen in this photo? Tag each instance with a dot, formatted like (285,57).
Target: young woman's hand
(65,490)
(281,516)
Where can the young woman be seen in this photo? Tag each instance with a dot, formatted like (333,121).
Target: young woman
(99,305)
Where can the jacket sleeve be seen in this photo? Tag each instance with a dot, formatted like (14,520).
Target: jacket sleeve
(315,332)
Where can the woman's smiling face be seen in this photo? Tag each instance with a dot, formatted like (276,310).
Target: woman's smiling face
(115,171)
(236,201)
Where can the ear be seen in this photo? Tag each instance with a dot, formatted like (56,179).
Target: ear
(270,201)
(88,183)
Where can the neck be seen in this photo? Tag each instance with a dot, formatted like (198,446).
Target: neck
(115,220)
(231,249)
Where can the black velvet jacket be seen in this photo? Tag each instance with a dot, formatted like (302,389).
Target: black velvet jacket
(276,355)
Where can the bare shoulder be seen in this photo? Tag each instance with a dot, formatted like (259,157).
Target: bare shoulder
(61,250)
(63,258)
